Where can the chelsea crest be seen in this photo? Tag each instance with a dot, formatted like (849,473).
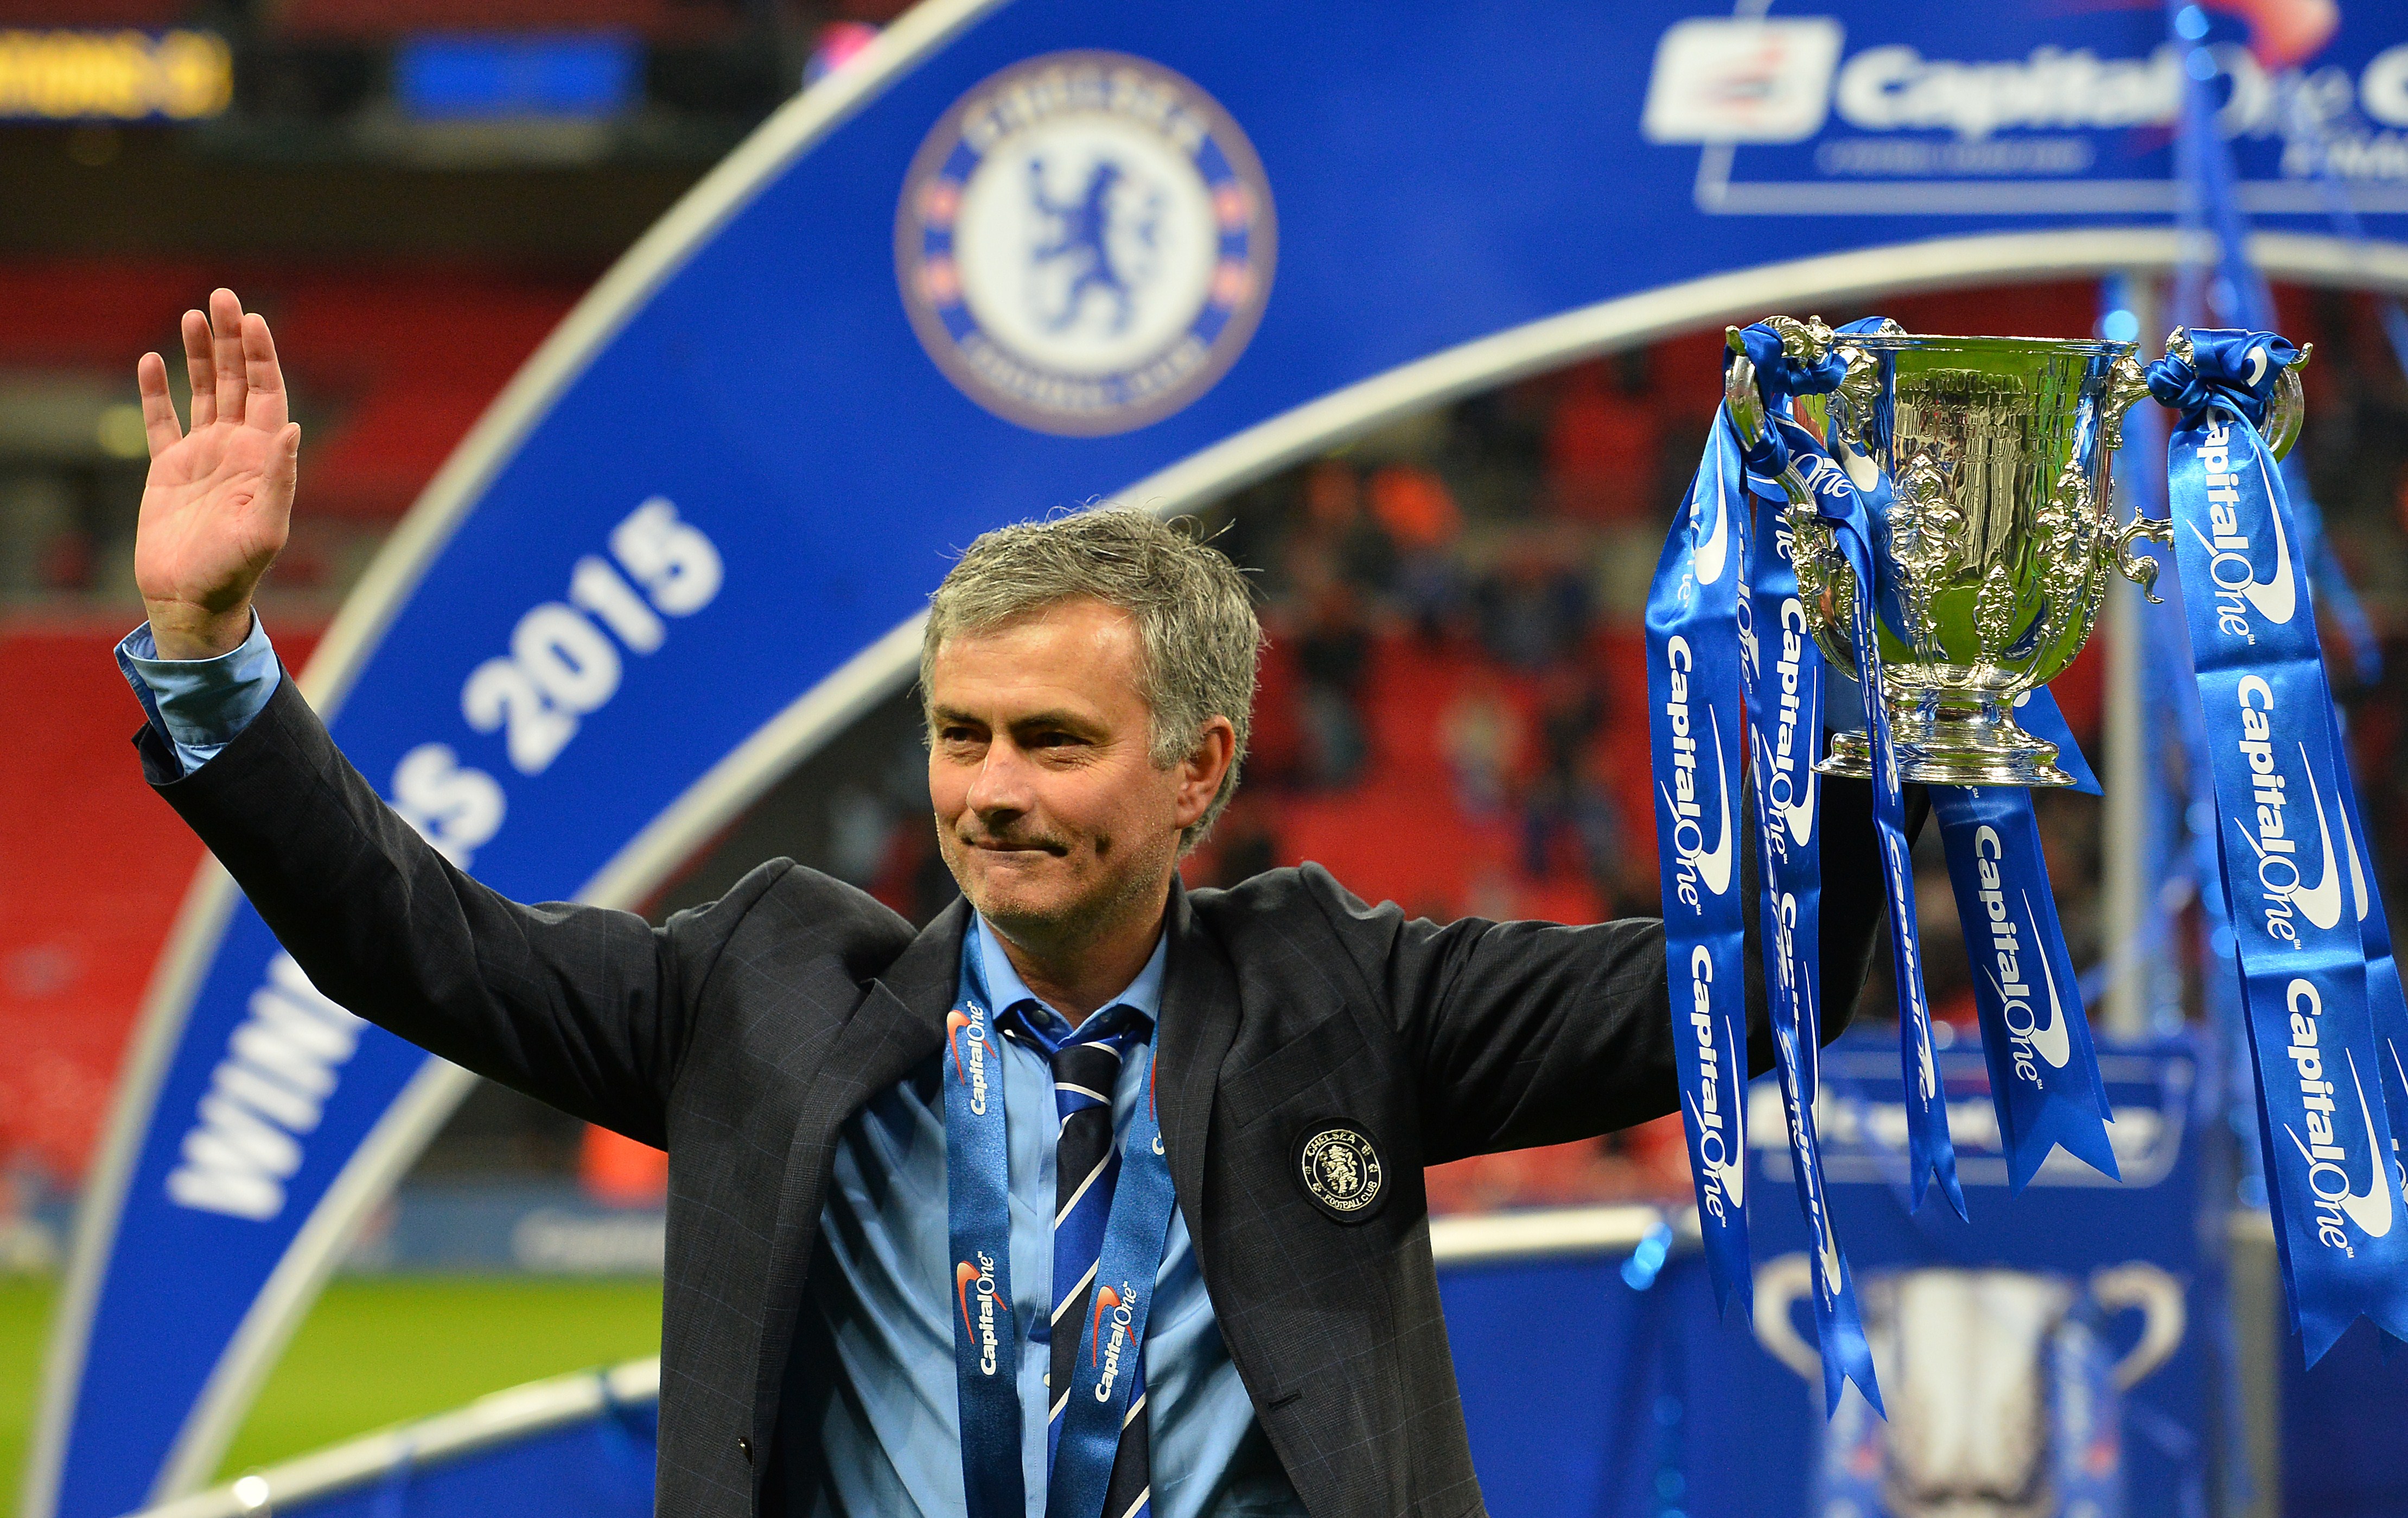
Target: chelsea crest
(1340,1170)
(1084,243)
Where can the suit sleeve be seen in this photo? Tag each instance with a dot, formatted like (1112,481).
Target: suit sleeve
(1534,1032)
(583,1008)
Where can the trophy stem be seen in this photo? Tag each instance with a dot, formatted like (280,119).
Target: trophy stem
(1961,738)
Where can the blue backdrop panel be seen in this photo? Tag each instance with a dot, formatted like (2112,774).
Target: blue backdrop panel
(599,1467)
(1585,1397)
(2342,1456)
(2067,1225)
(757,401)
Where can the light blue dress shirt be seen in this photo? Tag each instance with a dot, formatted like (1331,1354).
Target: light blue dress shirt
(200,705)
(892,1447)
(882,1286)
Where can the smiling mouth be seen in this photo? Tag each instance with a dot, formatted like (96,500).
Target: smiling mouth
(1055,850)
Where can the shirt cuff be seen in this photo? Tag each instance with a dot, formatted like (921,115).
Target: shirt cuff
(199,706)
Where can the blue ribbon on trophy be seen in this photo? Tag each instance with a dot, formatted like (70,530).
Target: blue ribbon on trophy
(2043,718)
(2384,993)
(2320,994)
(1768,364)
(2036,1039)
(1785,683)
(1937,532)
(1697,745)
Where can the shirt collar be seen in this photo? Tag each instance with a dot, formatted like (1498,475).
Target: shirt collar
(1005,990)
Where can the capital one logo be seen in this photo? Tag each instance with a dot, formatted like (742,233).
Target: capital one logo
(2334,1199)
(1116,1305)
(1698,865)
(1832,486)
(971,1070)
(2028,1035)
(2229,561)
(1917,1015)
(1717,79)
(1789,788)
(2282,879)
(1722,1143)
(979,1277)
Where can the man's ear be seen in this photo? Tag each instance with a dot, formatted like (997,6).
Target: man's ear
(1206,765)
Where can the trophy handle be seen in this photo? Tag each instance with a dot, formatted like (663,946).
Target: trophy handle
(1856,405)
(2126,386)
(2141,568)
(2288,410)
(1804,341)
(1779,1283)
(2159,1297)
(2285,414)
(1745,404)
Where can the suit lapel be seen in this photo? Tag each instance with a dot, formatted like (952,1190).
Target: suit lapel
(1199,1018)
(898,1024)
(924,975)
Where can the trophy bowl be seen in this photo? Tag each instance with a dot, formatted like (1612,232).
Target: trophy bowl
(1992,537)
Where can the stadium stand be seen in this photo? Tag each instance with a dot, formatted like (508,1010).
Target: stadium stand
(96,869)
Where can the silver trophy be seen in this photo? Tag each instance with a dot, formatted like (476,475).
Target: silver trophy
(1998,540)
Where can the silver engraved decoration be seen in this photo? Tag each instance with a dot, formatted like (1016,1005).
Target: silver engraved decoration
(1997,539)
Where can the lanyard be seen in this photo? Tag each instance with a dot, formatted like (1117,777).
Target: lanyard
(986,1347)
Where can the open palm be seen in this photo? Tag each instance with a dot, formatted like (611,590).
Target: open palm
(218,504)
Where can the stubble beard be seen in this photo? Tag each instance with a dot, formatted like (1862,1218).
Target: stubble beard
(1053,924)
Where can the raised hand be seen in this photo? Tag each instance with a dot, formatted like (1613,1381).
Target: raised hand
(218,504)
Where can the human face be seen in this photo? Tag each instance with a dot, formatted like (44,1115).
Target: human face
(1049,810)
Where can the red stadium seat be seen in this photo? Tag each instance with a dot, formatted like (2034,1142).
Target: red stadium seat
(96,869)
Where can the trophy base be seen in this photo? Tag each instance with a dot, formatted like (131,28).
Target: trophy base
(1953,746)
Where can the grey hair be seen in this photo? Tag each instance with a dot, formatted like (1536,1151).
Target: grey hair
(1199,639)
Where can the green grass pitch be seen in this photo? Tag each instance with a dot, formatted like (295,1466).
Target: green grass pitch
(374,1352)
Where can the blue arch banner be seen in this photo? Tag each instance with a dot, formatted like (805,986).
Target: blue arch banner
(1025,254)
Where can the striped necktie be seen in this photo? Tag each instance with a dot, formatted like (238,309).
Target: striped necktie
(1086,1164)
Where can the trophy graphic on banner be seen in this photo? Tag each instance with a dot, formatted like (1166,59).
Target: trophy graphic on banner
(2009,1397)
(1930,519)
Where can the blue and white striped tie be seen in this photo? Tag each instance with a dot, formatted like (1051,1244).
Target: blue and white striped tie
(1087,1164)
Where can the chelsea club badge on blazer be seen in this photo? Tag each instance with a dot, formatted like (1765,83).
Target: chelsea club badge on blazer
(1339,1166)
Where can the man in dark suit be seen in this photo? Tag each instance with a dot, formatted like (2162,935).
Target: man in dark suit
(1197,1203)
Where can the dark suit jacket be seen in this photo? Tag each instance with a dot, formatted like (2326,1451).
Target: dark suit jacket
(741,1037)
